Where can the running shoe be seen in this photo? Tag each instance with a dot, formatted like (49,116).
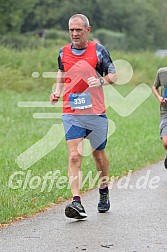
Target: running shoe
(165,162)
(104,203)
(75,210)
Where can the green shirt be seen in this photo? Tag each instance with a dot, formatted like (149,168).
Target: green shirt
(161,82)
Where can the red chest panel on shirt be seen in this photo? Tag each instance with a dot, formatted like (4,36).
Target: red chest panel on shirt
(69,59)
(78,68)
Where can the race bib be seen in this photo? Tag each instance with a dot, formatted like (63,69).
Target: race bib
(164,93)
(80,100)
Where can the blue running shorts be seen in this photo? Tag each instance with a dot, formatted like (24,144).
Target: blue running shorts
(92,127)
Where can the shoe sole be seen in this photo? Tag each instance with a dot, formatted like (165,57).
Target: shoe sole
(165,163)
(71,212)
(102,211)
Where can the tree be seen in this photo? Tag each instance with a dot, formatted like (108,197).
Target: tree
(12,14)
(142,22)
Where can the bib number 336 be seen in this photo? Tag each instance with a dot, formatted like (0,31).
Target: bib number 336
(80,100)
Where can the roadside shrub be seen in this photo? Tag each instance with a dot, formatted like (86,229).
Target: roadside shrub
(112,40)
(32,41)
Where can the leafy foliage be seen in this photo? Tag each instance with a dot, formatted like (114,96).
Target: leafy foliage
(112,40)
(142,23)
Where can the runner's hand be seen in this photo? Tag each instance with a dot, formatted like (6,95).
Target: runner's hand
(93,82)
(54,98)
(162,101)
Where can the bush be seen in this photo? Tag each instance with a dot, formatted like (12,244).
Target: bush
(32,40)
(56,34)
(112,40)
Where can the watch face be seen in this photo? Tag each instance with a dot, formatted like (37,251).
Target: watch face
(101,81)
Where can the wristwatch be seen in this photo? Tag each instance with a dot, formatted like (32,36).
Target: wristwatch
(101,81)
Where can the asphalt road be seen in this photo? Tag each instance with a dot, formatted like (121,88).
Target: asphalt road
(136,222)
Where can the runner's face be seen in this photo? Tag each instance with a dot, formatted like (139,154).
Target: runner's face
(78,32)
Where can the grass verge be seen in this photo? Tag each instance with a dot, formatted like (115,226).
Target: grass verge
(134,144)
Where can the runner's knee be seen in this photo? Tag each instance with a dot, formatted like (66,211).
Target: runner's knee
(74,157)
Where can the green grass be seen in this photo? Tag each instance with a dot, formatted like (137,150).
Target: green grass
(134,144)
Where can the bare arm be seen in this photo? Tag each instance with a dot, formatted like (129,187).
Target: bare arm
(54,97)
(159,97)
(110,78)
